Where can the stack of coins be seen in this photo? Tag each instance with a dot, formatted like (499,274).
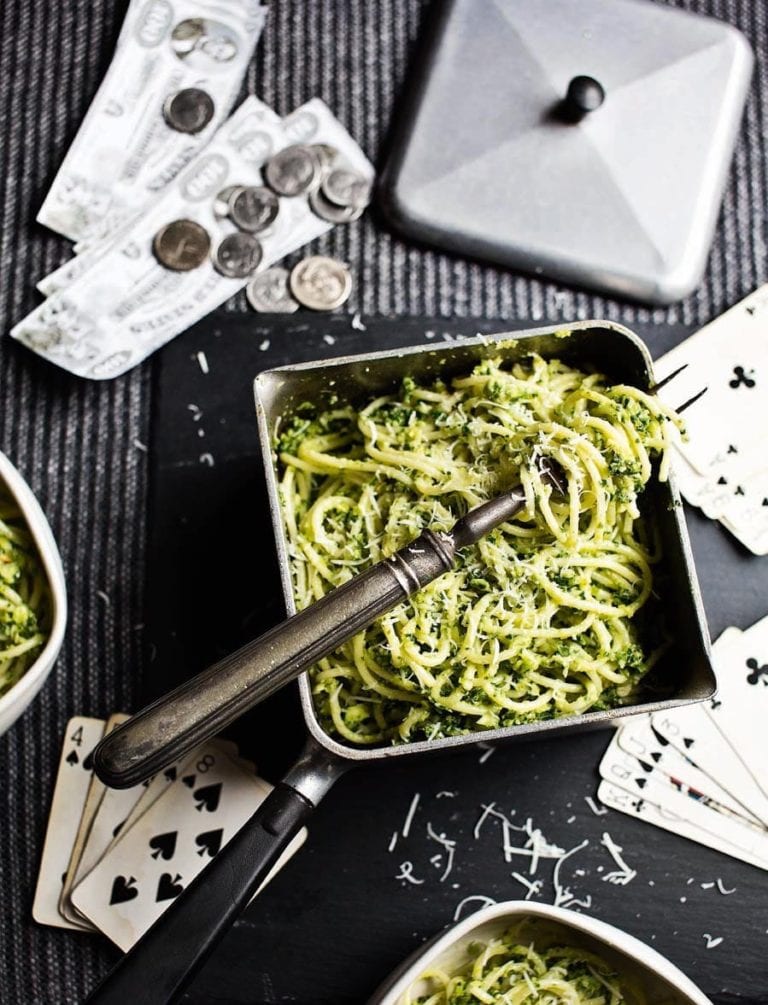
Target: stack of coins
(334,192)
(253,209)
(317,282)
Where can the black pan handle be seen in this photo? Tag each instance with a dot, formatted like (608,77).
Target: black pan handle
(178,722)
(164,960)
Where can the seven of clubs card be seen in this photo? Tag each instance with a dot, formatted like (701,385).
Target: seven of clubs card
(722,466)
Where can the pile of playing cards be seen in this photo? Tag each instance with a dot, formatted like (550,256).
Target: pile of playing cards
(723,467)
(699,771)
(114,859)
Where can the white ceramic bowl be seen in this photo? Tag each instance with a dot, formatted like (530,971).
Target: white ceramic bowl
(15,701)
(660,979)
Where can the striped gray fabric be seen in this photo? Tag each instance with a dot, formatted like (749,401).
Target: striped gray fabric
(83,446)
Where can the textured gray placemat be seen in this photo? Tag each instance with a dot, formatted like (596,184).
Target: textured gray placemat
(82,446)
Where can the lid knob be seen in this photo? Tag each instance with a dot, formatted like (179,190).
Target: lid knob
(584,95)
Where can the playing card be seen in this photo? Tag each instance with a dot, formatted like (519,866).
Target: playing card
(619,799)
(72,782)
(730,357)
(96,790)
(110,820)
(152,789)
(745,511)
(121,808)
(740,709)
(691,731)
(167,846)
(637,737)
(628,773)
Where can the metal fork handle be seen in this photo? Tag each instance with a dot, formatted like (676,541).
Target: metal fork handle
(200,708)
(176,723)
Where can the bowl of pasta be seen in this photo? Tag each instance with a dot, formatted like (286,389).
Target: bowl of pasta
(33,600)
(520,952)
(583,608)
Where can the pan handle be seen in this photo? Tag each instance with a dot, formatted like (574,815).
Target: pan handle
(161,964)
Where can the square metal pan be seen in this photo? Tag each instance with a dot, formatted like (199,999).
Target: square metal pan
(685,669)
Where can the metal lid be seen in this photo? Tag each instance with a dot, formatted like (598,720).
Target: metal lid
(612,182)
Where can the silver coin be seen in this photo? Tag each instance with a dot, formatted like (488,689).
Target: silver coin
(330,212)
(293,171)
(189,110)
(346,188)
(253,208)
(237,255)
(268,292)
(326,154)
(204,44)
(222,200)
(321,283)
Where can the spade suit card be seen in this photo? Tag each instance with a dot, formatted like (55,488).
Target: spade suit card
(119,809)
(95,794)
(169,844)
(637,806)
(692,732)
(638,738)
(73,780)
(697,771)
(748,841)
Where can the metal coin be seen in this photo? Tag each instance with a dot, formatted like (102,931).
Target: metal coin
(181,245)
(189,111)
(330,212)
(237,255)
(321,283)
(204,44)
(253,208)
(268,292)
(222,201)
(326,154)
(293,171)
(346,188)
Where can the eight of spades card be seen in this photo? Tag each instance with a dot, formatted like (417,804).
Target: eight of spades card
(212,792)
(166,847)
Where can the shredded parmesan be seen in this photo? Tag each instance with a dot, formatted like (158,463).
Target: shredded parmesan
(535,621)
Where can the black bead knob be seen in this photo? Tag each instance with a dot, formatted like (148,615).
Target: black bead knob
(583,96)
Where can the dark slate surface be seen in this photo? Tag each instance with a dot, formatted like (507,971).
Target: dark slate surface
(82,449)
(337,920)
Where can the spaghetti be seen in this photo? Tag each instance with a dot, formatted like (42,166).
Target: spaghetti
(536,620)
(24,599)
(505,972)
